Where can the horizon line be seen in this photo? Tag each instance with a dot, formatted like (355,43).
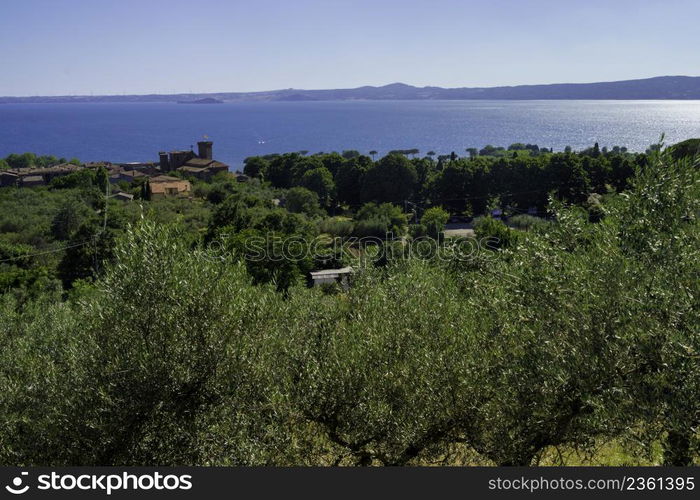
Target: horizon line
(287,89)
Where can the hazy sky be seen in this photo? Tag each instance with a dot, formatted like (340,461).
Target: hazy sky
(55,47)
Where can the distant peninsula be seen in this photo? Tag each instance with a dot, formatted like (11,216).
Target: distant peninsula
(203,100)
(661,87)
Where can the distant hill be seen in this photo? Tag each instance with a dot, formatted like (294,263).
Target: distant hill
(203,100)
(661,87)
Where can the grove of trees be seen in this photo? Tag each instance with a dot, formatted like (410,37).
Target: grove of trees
(524,179)
(159,342)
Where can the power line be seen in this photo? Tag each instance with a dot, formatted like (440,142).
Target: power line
(54,250)
(92,239)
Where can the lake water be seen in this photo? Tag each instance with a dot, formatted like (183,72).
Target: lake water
(137,131)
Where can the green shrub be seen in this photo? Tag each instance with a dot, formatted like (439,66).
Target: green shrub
(527,222)
(303,201)
(434,219)
(337,226)
(494,233)
(376,228)
(417,230)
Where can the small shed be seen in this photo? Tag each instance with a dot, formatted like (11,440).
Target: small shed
(122,196)
(33,180)
(326,276)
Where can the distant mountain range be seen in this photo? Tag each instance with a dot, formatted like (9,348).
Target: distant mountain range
(661,87)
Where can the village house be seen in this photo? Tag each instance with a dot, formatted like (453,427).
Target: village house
(98,164)
(50,173)
(146,168)
(200,166)
(164,186)
(164,178)
(28,177)
(130,175)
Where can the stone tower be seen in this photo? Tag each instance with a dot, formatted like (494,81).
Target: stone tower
(178,158)
(204,150)
(164,163)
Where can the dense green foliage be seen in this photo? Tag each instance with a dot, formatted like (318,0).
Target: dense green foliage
(434,220)
(522,176)
(161,341)
(28,160)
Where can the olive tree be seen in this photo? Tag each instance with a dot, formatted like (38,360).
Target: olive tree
(384,375)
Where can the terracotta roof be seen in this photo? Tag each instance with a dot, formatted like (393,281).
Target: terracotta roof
(163,187)
(164,178)
(63,167)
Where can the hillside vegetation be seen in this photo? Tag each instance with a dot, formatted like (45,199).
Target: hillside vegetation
(163,342)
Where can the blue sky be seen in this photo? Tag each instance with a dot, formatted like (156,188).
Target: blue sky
(50,47)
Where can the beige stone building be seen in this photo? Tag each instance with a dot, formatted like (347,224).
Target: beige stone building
(164,186)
